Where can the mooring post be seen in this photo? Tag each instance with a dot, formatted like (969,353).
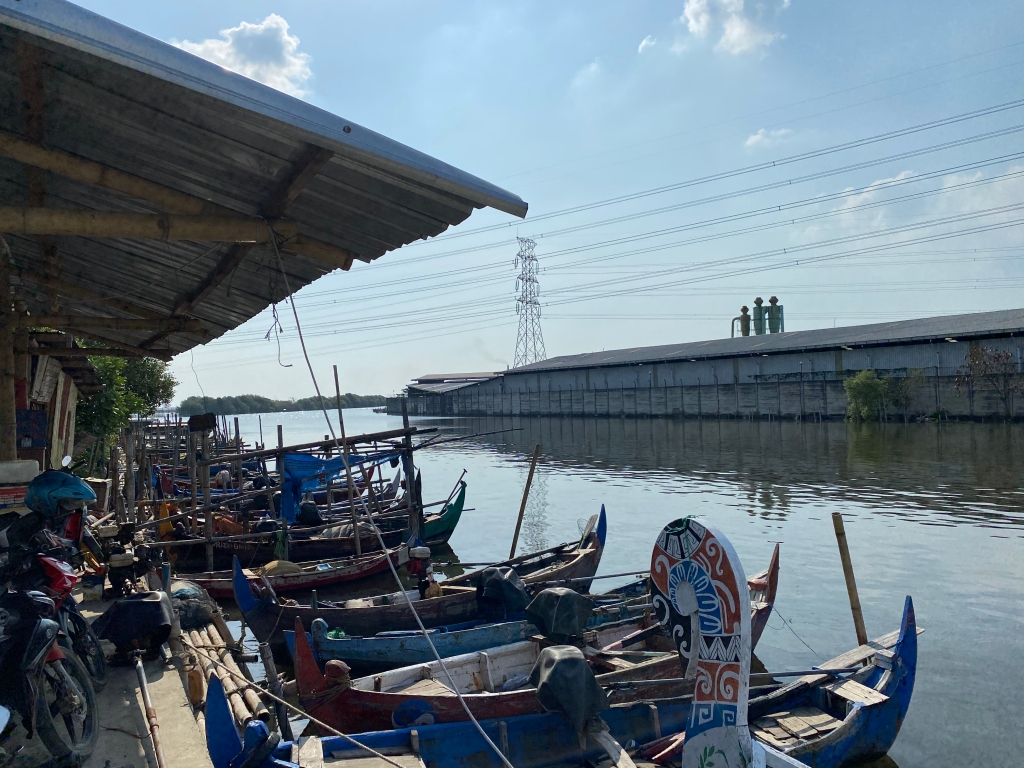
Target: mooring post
(208,500)
(851,581)
(348,470)
(522,506)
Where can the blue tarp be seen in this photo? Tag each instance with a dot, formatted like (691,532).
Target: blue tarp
(303,472)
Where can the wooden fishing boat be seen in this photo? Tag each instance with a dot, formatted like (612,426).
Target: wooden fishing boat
(492,680)
(387,650)
(836,722)
(317,543)
(268,617)
(312,575)
(563,565)
(528,741)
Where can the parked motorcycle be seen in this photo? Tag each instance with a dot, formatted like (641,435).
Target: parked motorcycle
(45,682)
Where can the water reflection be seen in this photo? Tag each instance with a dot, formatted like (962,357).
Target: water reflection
(936,473)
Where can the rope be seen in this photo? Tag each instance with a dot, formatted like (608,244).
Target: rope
(775,609)
(376,530)
(289,705)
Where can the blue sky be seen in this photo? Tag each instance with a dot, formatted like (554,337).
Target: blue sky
(573,103)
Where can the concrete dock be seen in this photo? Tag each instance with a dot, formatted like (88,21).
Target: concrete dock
(124,740)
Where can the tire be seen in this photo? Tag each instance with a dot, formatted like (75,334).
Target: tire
(83,641)
(73,733)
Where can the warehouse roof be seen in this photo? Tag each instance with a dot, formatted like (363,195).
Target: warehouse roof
(979,325)
(438,377)
(95,116)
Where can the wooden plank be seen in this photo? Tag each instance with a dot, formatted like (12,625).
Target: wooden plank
(795,725)
(767,737)
(820,721)
(427,688)
(853,657)
(308,752)
(853,691)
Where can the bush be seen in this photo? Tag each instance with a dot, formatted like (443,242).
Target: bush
(866,394)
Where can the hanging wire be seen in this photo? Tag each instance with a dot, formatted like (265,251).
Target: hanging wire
(373,524)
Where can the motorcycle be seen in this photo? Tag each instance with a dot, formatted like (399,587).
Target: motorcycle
(49,572)
(46,684)
(44,680)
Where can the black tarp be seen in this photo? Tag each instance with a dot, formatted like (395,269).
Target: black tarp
(560,612)
(566,684)
(500,593)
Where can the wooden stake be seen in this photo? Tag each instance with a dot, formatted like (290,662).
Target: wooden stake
(207,497)
(193,479)
(526,495)
(129,474)
(8,406)
(348,469)
(851,582)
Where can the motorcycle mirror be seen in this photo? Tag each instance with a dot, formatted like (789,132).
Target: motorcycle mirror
(65,462)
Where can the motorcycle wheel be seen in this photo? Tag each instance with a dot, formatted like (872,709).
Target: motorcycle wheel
(83,641)
(67,720)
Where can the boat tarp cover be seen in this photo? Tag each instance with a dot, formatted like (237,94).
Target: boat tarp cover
(560,611)
(500,592)
(566,684)
(303,473)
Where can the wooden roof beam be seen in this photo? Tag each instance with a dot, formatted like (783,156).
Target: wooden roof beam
(86,294)
(76,322)
(79,353)
(89,172)
(159,354)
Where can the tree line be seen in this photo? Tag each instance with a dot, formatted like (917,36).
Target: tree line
(238,404)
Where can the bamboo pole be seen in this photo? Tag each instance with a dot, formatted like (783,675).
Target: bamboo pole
(851,581)
(252,699)
(274,684)
(8,404)
(200,641)
(207,497)
(522,506)
(415,515)
(280,454)
(321,445)
(348,469)
(193,479)
(129,481)
(238,448)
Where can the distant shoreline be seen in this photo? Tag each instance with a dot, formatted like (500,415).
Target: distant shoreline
(238,405)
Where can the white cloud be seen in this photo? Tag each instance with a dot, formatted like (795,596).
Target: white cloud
(765,138)
(647,42)
(739,32)
(586,74)
(265,52)
(697,17)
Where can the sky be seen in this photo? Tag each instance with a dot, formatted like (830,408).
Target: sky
(863,162)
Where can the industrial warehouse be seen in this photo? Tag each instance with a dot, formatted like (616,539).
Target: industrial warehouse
(794,375)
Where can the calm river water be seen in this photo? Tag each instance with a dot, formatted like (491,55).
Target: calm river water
(933,511)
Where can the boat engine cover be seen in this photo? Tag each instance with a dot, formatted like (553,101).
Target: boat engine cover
(566,684)
(560,612)
(140,621)
(500,592)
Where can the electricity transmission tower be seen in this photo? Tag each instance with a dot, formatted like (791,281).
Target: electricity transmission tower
(530,340)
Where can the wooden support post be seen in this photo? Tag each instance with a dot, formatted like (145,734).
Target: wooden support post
(176,458)
(238,449)
(348,469)
(8,406)
(193,479)
(280,457)
(129,472)
(274,684)
(207,497)
(115,486)
(851,582)
(144,473)
(415,508)
(522,506)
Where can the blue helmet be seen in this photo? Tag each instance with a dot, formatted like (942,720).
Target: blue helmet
(53,493)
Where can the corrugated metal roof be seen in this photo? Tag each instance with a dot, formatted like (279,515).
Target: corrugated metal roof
(430,377)
(437,387)
(135,104)
(960,327)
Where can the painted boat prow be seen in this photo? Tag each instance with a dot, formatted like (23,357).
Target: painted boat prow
(308,676)
(221,737)
(905,653)
(243,592)
(602,527)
